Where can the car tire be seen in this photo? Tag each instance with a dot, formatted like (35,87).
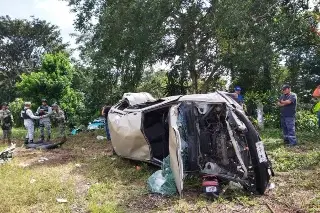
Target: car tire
(262,176)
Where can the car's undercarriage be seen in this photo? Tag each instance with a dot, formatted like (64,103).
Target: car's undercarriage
(206,134)
(214,141)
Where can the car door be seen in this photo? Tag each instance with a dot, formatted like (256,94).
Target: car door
(126,136)
(175,150)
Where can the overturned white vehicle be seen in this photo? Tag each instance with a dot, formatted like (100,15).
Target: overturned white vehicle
(207,134)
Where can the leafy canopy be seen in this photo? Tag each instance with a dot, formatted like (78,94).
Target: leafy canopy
(52,81)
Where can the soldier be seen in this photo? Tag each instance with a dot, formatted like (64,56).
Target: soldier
(59,116)
(28,120)
(6,120)
(43,110)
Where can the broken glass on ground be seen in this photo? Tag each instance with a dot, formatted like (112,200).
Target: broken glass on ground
(162,181)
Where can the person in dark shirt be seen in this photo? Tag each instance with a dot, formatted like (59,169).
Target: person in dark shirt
(104,112)
(288,107)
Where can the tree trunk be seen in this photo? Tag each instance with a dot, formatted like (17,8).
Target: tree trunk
(260,115)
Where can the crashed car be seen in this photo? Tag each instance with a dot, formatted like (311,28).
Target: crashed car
(207,134)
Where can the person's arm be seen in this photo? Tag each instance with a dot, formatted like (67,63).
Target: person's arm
(287,102)
(102,112)
(50,111)
(279,101)
(31,115)
(280,104)
(38,111)
(291,99)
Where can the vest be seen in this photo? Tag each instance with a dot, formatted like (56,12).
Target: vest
(43,110)
(24,114)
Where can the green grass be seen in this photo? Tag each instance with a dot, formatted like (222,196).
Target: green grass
(84,172)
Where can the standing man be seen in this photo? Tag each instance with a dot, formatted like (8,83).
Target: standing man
(43,110)
(6,121)
(240,99)
(104,112)
(28,120)
(59,116)
(288,107)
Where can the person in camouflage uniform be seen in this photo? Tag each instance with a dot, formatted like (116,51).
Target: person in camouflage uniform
(45,122)
(6,120)
(59,116)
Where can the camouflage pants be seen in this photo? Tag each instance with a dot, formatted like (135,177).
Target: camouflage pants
(45,125)
(7,134)
(62,127)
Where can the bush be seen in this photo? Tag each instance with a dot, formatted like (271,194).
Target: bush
(272,120)
(15,107)
(307,121)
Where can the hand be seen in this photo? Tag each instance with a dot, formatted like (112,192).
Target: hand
(41,116)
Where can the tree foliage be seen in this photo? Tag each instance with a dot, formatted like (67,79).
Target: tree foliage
(251,41)
(22,43)
(52,81)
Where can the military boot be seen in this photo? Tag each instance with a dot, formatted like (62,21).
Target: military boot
(48,139)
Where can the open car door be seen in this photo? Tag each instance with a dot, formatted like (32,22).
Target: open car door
(175,149)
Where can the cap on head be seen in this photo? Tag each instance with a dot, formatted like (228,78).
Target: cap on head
(27,103)
(54,105)
(44,100)
(285,86)
(4,104)
(237,88)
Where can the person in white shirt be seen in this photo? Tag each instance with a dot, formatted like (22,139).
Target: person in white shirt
(28,120)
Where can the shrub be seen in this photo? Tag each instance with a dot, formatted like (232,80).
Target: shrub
(272,120)
(307,121)
(15,107)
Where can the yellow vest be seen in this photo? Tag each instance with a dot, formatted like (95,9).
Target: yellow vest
(316,107)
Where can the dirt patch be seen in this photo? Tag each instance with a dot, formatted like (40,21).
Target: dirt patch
(148,202)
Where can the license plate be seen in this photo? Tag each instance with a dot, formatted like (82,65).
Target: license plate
(211,189)
(261,153)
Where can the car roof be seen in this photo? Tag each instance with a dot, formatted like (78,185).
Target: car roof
(215,97)
(138,98)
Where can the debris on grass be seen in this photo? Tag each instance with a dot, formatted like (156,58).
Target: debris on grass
(99,137)
(6,154)
(42,159)
(162,181)
(61,200)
